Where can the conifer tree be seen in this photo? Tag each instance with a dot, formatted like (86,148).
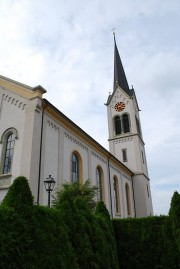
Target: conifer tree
(19,195)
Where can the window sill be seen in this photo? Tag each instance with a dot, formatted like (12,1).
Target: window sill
(5,181)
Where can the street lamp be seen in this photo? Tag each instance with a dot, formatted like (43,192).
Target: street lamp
(49,184)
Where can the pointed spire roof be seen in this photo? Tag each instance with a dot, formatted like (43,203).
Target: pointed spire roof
(119,74)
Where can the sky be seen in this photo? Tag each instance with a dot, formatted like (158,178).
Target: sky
(67,48)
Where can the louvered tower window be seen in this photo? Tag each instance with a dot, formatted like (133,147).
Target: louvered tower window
(117,125)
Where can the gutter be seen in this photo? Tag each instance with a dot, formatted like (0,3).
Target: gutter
(40,154)
(110,187)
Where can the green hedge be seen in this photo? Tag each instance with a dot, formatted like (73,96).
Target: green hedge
(174,214)
(91,233)
(32,237)
(145,243)
(36,239)
(75,234)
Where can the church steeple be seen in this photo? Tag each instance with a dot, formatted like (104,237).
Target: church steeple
(119,74)
(125,136)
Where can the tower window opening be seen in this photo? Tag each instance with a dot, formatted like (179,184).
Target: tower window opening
(124,155)
(142,156)
(147,190)
(125,120)
(138,126)
(117,124)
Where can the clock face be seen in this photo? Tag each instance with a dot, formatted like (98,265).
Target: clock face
(119,106)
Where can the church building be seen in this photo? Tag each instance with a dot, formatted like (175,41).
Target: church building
(38,140)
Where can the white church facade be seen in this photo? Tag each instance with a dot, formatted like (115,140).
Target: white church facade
(37,140)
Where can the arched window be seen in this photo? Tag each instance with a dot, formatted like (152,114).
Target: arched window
(99,183)
(8,140)
(128,201)
(75,168)
(8,153)
(125,120)
(117,125)
(116,195)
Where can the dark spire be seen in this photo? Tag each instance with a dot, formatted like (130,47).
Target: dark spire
(119,74)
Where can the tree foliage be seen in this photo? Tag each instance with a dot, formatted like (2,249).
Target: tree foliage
(105,242)
(78,233)
(19,195)
(76,194)
(174,214)
(90,227)
(145,243)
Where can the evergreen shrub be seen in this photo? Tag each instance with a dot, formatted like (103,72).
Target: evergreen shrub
(174,216)
(145,243)
(32,237)
(78,234)
(105,242)
(76,206)
(34,240)
(19,195)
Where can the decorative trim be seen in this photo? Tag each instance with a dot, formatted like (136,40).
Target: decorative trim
(7,131)
(141,174)
(53,126)
(75,141)
(118,170)
(13,101)
(123,140)
(98,157)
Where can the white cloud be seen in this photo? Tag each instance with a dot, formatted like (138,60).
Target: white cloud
(67,47)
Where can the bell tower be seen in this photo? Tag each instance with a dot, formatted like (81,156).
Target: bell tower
(125,136)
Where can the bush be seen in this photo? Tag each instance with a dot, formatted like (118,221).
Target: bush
(51,247)
(76,193)
(105,243)
(91,233)
(76,204)
(75,234)
(37,239)
(174,215)
(145,243)
(19,195)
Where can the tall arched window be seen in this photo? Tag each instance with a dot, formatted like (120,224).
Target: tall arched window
(8,141)
(8,152)
(128,201)
(75,168)
(125,120)
(117,125)
(99,180)
(100,184)
(116,195)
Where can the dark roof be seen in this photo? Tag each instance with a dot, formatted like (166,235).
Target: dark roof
(119,74)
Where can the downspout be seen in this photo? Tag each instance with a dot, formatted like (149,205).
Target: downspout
(134,198)
(110,187)
(40,154)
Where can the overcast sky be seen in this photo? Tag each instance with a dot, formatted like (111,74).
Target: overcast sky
(67,47)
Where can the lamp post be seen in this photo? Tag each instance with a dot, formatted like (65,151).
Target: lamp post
(49,184)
